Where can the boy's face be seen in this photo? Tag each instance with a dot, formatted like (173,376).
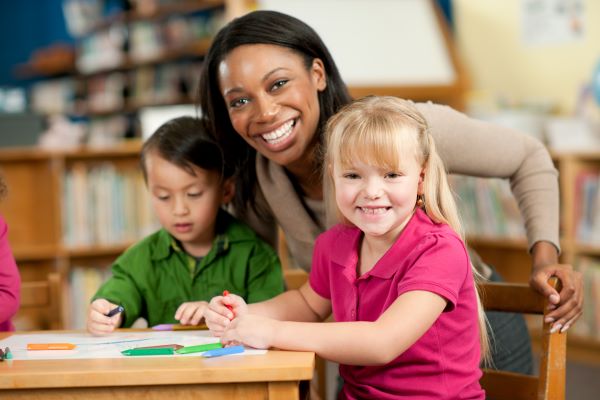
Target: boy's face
(187,205)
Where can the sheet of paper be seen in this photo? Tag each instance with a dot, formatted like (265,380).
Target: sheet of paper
(110,346)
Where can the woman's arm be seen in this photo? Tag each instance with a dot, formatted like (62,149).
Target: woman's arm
(354,343)
(479,148)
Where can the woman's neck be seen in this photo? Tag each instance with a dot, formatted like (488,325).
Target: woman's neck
(307,176)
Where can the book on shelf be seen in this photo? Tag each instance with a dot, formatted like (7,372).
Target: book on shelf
(589,323)
(487,207)
(105,206)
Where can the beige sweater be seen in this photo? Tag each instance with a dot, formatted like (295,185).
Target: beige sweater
(467,146)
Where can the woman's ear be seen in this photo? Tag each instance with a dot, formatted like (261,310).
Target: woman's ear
(228,190)
(319,75)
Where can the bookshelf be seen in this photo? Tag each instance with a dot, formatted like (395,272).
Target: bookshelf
(131,59)
(580,239)
(38,206)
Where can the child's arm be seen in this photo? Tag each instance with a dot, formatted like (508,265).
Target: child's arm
(294,305)
(355,343)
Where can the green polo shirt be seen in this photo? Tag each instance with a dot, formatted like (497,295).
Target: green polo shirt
(155,276)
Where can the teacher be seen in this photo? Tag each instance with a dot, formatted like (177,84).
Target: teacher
(268,85)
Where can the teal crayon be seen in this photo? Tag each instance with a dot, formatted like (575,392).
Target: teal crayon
(199,348)
(149,352)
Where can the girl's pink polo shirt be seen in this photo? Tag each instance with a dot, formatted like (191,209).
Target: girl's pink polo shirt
(444,362)
(10,281)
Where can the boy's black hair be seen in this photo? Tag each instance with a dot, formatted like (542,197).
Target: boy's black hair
(262,27)
(184,142)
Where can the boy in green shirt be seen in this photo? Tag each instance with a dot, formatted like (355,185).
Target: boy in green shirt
(200,251)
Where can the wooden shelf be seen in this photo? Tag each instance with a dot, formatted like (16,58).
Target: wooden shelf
(97,251)
(193,50)
(498,242)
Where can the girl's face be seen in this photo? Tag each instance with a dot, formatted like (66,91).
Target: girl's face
(186,205)
(377,201)
(272,100)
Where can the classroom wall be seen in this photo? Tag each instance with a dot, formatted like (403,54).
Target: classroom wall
(499,63)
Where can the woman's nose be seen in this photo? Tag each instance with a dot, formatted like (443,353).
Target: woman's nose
(267,108)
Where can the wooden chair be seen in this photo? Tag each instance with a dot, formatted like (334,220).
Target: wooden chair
(41,304)
(550,384)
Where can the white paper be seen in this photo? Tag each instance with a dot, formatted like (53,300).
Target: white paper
(552,22)
(110,346)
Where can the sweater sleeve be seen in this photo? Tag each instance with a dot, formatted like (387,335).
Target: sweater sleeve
(10,281)
(265,278)
(121,289)
(471,147)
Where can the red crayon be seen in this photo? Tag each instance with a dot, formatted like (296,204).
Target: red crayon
(226,293)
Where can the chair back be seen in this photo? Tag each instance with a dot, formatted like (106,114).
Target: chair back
(41,305)
(550,383)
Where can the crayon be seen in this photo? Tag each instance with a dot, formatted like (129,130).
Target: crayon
(115,311)
(50,346)
(226,293)
(224,351)
(199,348)
(178,327)
(148,352)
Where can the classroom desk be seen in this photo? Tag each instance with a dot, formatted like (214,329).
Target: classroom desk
(275,375)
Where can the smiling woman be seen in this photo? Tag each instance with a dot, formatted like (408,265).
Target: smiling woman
(267,87)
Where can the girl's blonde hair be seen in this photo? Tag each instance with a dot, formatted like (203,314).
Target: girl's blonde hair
(385,132)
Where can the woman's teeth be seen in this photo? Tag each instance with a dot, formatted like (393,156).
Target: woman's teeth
(280,133)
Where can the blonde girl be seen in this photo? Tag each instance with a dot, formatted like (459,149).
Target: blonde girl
(395,271)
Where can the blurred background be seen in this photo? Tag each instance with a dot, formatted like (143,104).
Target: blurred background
(87,79)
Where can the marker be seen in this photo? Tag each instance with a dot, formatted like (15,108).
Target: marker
(229,306)
(224,351)
(199,348)
(148,352)
(50,346)
(115,311)
(178,327)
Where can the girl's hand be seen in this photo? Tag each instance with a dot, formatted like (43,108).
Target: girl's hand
(251,330)
(97,322)
(191,312)
(218,315)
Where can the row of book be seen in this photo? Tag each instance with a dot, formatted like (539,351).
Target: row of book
(587,207)
(103,205)
(146,40)
(487,207)
(589,324)
(83,283)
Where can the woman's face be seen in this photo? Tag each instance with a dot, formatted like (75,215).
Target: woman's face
(272,100)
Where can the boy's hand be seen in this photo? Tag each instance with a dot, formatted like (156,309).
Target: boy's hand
(218,315)
(251,330)
(97,322)
(191,312)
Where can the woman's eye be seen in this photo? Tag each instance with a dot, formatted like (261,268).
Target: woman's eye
(238,102)
(280,83)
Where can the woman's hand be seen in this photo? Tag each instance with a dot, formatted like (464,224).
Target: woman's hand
(97,322)
(567,305)
(191,312)
(250,330)
(221,310)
